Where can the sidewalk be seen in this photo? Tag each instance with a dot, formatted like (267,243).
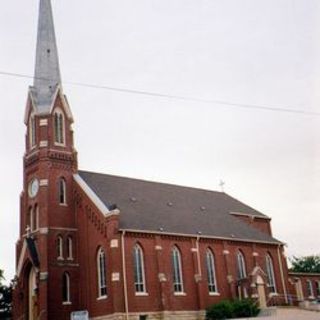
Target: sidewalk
(290,314)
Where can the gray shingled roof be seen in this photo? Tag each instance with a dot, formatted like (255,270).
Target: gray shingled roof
(153,206)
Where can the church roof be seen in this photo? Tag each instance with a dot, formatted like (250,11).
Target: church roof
(47,72)
(159,207)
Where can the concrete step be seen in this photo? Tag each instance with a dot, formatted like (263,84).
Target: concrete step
(267,312)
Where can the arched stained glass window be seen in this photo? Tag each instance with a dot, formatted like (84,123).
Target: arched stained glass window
(62,191)
(211,272)
(101,268)
(177,270)
(241,265)
(66,288)
(270,274)
(139,272)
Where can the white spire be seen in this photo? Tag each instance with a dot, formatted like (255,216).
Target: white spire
(47,71)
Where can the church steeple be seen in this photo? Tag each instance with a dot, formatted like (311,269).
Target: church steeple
(47,72)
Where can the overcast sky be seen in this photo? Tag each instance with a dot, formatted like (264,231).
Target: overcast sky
(261,52)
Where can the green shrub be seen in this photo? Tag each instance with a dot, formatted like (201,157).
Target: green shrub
(221,310)
(232,309)
(244,308)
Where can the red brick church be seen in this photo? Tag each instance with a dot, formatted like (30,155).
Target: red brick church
(123,248)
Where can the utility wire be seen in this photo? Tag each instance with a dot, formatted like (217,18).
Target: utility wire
(175,97)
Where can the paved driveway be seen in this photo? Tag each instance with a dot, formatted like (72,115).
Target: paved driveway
(291,314)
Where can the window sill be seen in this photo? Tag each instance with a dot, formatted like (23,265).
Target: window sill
(142,294)
(214,294)
(63,204)
(273,294)
(59,144)
(60,258)
(70,259)
(67,303)
(102,298)
(311,297)
(182,294)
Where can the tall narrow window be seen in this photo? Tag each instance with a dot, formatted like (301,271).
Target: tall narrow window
(69,244)
(59,248)
(211,272)
(34,218)
(318,288)
(241,266)
(139,275)
(101,266)
(30,219)
(177,270)
(58,128)
(62,191)
(66,288)
(32,131)
(309,288)
(270,274)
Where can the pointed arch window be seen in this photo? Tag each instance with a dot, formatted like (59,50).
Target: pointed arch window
(59,248)
(66,288)
(270,274)
(62,191)
(70,249)
(318,288)
(29,219)
(211,272)
(34,218)
(32,131)
(101,268)
(139,271)
(241,265)
(309,289)
(59,127)
(177,270)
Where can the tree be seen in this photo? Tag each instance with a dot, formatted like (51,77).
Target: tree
(5,299)
(309,264)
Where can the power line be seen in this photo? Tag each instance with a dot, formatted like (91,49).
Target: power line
(175,97)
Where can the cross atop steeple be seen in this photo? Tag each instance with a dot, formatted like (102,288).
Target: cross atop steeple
(47,71)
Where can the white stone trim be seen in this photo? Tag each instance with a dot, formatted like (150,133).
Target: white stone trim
(255,254)
(44,182)
(141,294)
(115,276)
(225,252)
(92,195)
(214,294)
(43,122)
(63,229)
(114,243)
(181,294)
(158,248)
(43,144)
(44,275)
(44,230)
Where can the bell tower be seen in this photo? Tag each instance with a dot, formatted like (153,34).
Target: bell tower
(46,249)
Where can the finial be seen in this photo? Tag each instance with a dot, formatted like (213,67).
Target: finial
(221,185)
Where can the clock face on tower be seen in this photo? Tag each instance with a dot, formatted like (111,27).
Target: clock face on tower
(33,187)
